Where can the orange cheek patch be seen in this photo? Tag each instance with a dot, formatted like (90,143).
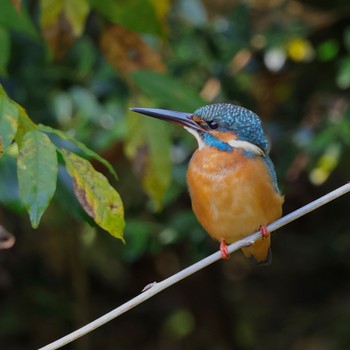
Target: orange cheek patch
(223,136)
(197,119)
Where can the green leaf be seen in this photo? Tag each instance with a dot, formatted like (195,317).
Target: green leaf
(136,15)
(328,50)
(25,124)
(347,38)
(20,121)
(2,91)
(343,76)
(37,173)
(11,18)
(88,152)
(148,145)
(5,49)
(8,122)
(167,91)
(98,198)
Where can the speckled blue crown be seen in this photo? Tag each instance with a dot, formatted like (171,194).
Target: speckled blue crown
(239,120)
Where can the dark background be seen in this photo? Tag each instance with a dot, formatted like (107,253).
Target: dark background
(289,61)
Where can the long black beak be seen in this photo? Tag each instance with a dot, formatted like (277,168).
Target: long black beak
(182,118)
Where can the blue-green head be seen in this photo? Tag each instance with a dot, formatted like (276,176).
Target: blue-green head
(228,122)
(223,126)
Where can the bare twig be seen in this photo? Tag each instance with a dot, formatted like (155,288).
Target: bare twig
(156,288)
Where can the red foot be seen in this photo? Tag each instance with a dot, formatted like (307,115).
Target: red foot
(264,232)
(223,249)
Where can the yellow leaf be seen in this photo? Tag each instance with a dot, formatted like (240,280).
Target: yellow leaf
(326,164)
(25,124)
(77,11)
(98,198)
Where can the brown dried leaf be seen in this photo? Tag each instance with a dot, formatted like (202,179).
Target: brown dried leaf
(59,35)
(126,52)
(62,22)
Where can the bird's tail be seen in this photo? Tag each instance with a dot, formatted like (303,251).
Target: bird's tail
(259,252)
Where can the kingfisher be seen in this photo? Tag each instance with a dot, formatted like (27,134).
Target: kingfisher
(231,179)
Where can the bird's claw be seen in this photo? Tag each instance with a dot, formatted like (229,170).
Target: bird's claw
(264,232)
(223,249)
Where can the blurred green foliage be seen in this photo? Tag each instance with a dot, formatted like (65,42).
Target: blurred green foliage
(73,69)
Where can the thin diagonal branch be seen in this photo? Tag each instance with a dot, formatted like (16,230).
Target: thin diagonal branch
(160,286)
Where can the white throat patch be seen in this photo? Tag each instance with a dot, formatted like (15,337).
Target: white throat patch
(246,146)
(201,143)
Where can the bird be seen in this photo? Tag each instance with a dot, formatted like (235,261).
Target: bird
(231,179)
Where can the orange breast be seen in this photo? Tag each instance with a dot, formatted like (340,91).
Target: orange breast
(232,195)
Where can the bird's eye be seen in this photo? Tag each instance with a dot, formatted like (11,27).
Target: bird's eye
(213,124)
